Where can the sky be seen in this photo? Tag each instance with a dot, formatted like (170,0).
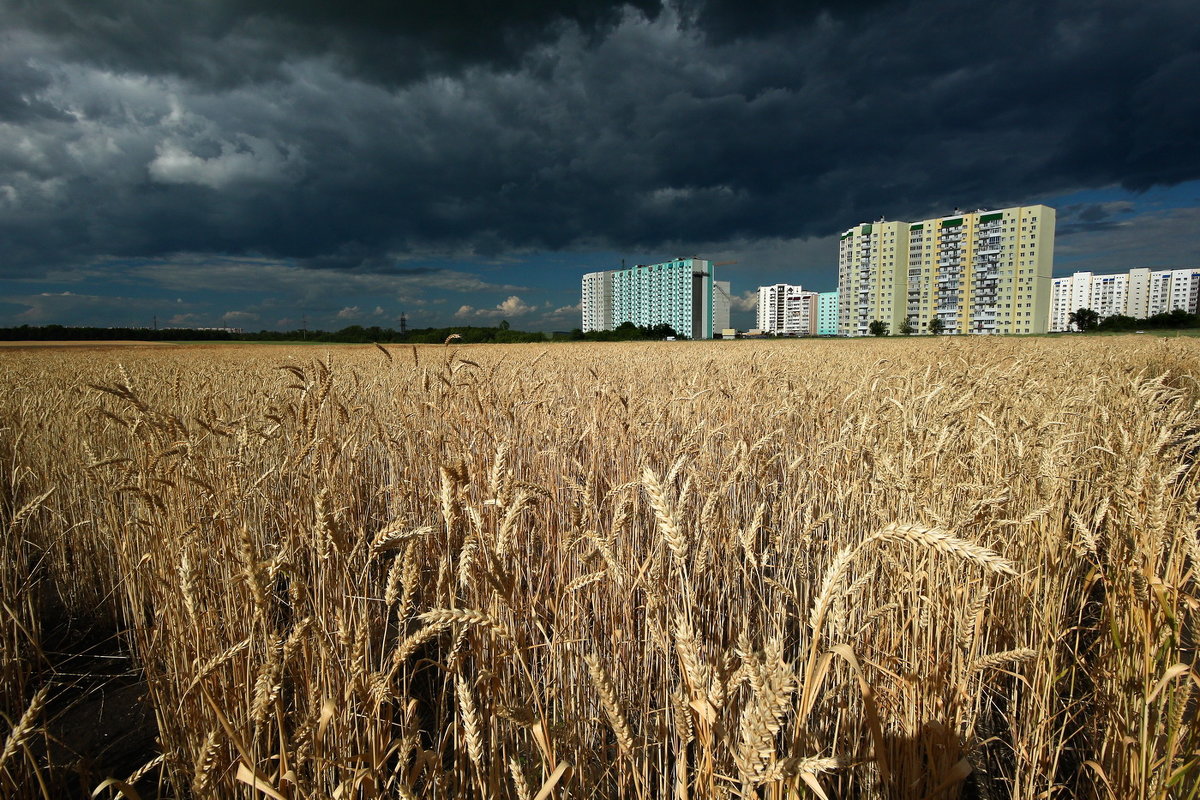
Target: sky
(266,165)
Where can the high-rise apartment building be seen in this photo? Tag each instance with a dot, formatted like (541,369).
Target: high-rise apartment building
(1180,288)
(596,302)
(721,303)
(827,313)
(872,259)
(678,293)
(979,272)
(1067,295)
(787,310)
(1138,293)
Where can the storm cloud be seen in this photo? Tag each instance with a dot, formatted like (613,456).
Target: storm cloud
(365,137)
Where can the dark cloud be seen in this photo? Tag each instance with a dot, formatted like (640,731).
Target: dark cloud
(365,136)
(230,42)
(1089,218)
(1153,239)
(727,20)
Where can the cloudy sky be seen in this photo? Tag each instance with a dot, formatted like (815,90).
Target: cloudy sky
(266,165)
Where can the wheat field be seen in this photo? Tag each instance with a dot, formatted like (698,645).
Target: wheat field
(929,568)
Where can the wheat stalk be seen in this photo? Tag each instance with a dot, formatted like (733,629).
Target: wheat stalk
(608,700)
(672,532)
(945,542)
(469,716)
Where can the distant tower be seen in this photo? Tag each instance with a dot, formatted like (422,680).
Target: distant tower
(403,323)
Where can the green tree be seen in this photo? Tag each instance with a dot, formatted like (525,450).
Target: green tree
(907,328)
(936,325)
(878,327)
(627,332)
(1085,319)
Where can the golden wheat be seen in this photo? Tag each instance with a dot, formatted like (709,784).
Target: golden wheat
(876,569)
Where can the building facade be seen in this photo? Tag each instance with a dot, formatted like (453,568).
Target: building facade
(872,259)
(827,313)
(721,303)
(787,310)
(1138,293)
(980,272)
(596,301)
(678,293)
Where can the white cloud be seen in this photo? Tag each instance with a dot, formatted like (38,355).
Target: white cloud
(250,159)
(513,306)
(349,312)
(746,301)
(235,317)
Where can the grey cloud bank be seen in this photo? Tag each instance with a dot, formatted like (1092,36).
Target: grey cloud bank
(366,140)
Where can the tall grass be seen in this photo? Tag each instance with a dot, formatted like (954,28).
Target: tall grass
(890,569)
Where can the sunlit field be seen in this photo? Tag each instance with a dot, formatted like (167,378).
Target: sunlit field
(909,568)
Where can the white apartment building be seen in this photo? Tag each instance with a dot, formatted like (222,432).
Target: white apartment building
(1067,295)
(596,302)
(1139,293)
(1108,294)
(787,310)
(679,293)
(1180,288)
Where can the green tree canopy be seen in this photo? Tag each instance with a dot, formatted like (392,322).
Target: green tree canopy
(1085,319)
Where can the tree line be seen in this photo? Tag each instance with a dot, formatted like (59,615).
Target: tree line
(469,334)
(1086,319)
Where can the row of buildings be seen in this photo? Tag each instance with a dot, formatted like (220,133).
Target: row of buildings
(1138,293)
(980,272)
(789,310)
(682,293)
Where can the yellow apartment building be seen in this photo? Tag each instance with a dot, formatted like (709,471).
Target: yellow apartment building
(980,272)
(872,259)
